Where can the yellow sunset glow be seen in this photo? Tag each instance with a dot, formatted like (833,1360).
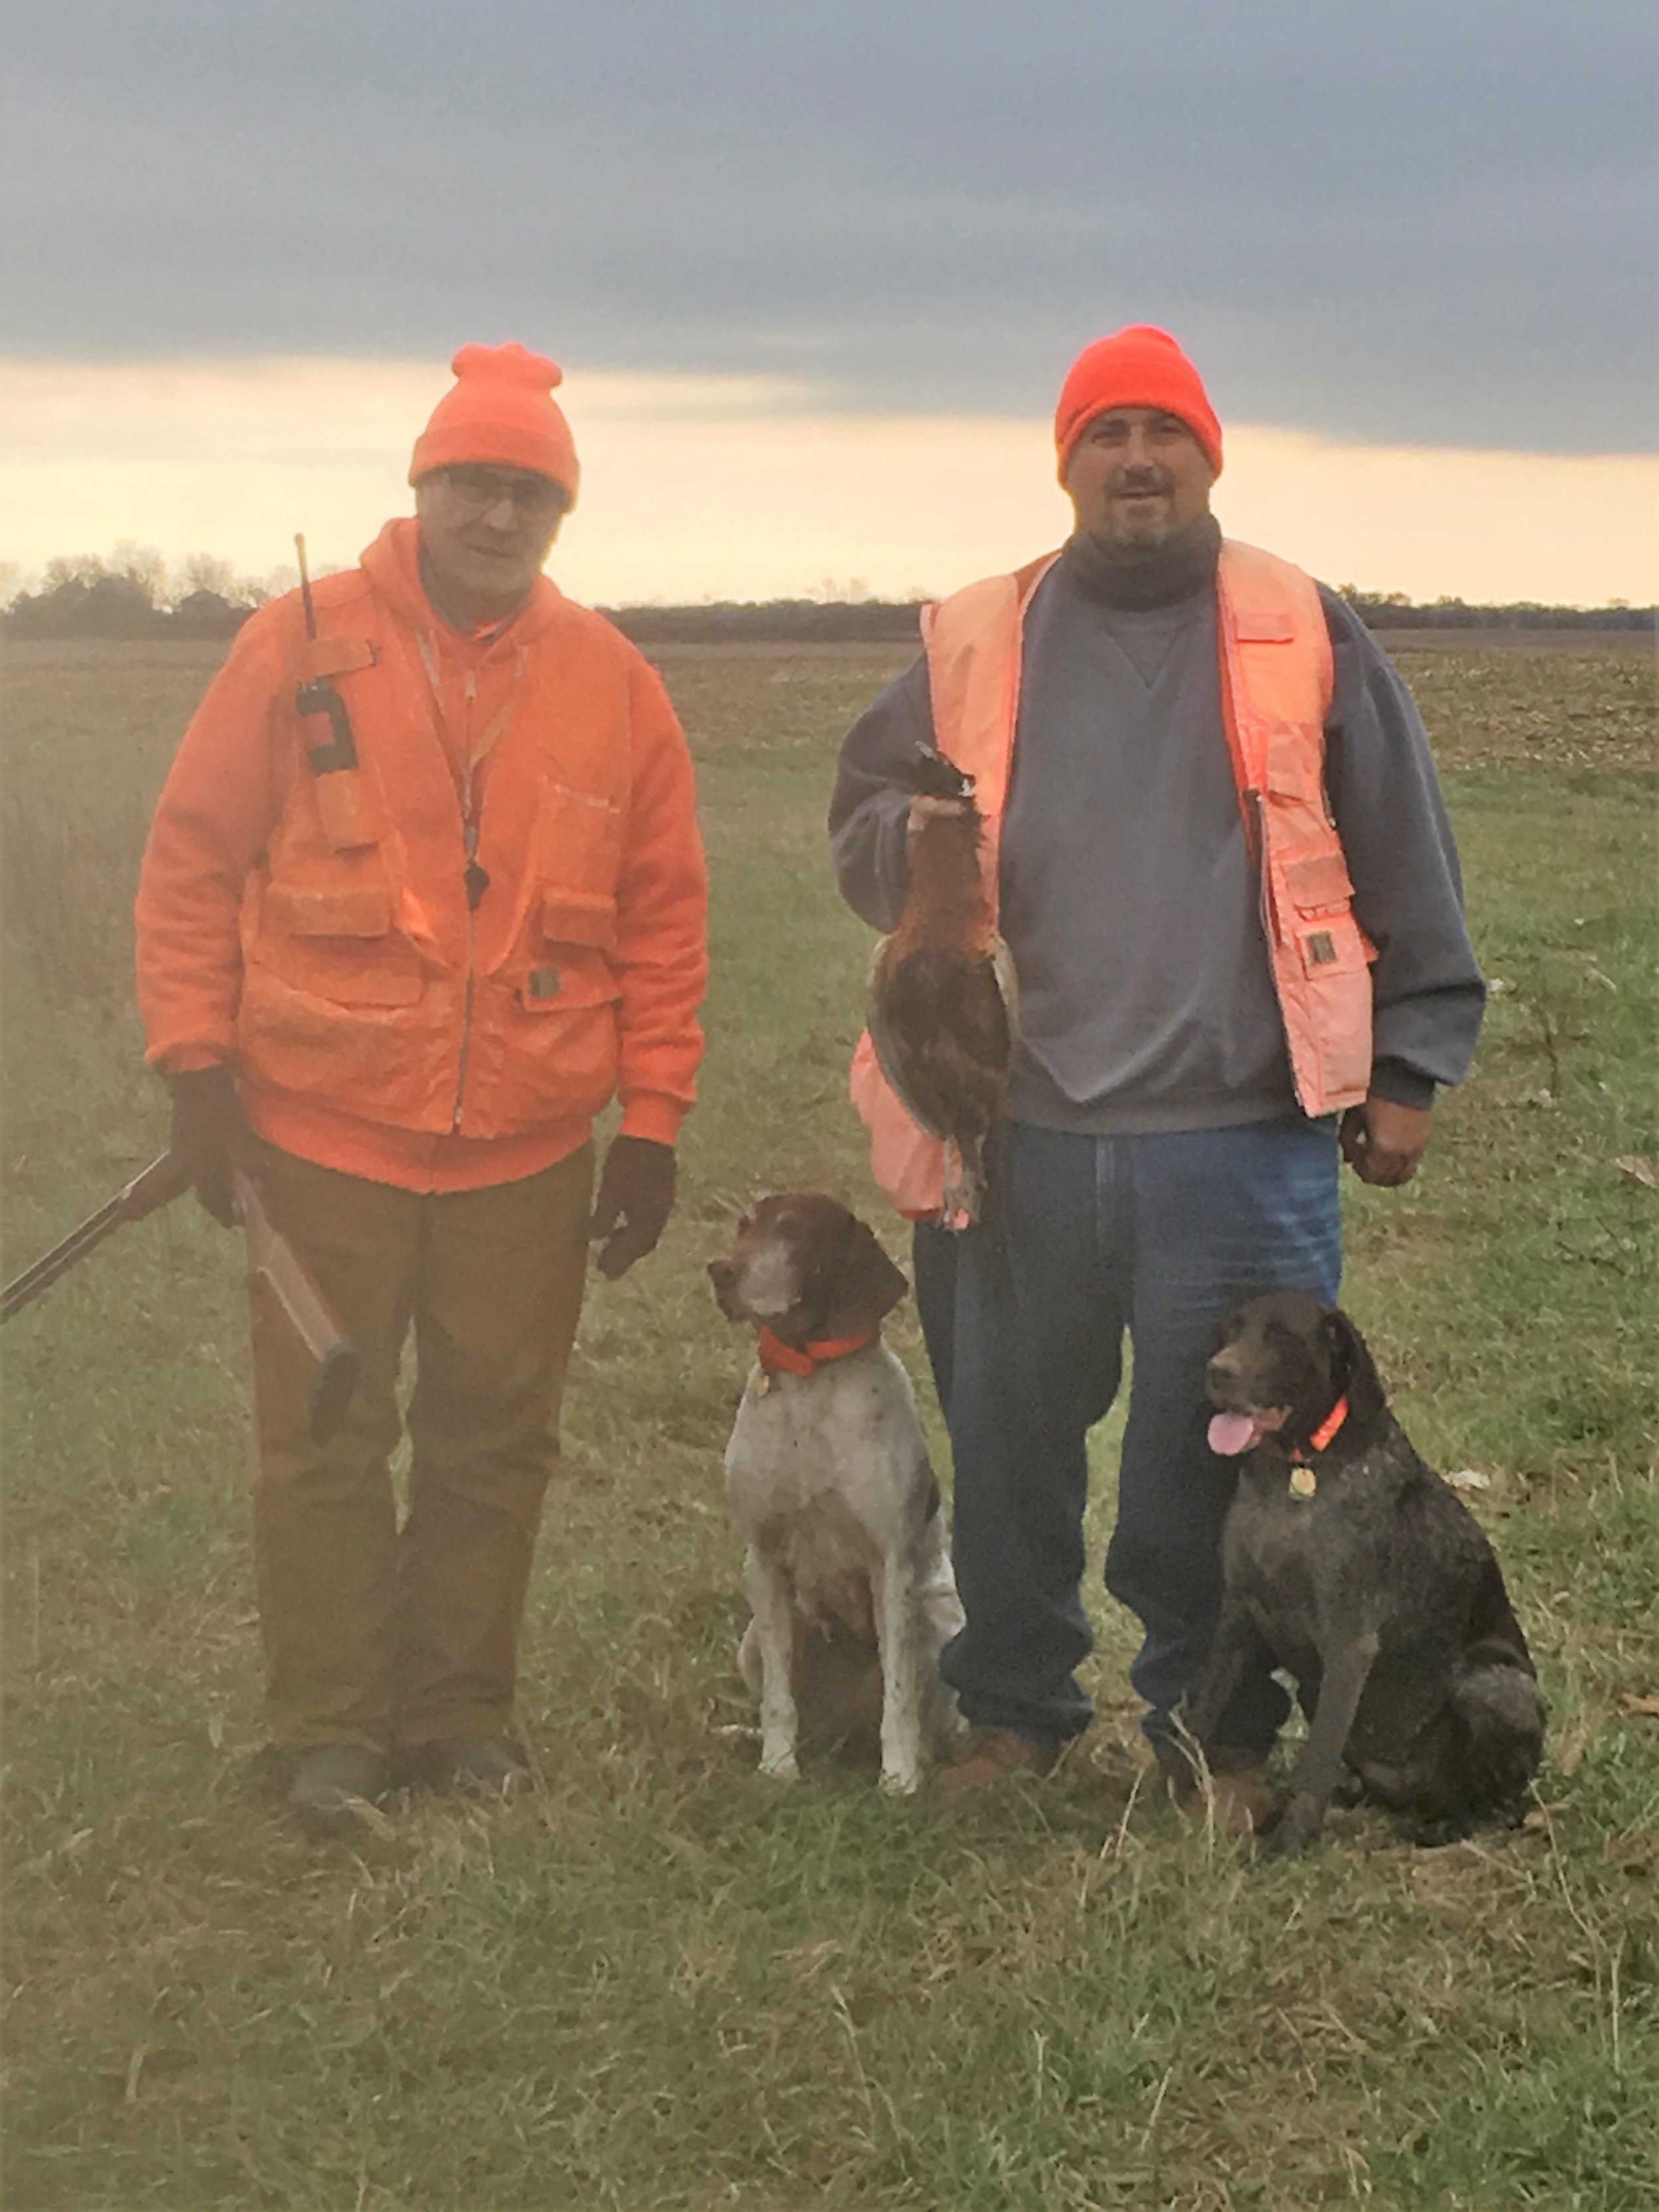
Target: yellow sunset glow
(736,488)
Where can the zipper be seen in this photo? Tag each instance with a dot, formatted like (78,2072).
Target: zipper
(475,878)
(474,893)
(1255,832)
(466,1039)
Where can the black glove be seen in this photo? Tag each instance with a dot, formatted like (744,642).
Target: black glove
(207,1133)
(636,1198)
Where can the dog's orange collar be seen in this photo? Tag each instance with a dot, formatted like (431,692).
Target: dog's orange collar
(1326,1429)
(804,1359)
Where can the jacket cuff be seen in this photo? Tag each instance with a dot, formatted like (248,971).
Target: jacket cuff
(652,1114)
(1402,1085)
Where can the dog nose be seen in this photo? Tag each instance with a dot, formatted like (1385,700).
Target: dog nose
(722,1273)
(1224,1367)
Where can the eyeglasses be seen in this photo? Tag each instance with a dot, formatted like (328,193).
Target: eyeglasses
(537,498)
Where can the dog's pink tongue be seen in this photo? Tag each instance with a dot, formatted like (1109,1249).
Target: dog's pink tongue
(1231,1433)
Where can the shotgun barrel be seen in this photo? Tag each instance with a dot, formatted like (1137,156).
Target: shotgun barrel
(271,1261)
(155,1187)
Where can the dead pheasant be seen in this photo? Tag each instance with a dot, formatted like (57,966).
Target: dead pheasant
(942,994)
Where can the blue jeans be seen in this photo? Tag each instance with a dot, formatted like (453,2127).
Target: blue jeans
(1025,1317)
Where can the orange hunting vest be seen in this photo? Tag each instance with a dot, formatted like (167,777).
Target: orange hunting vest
(367,983)
(1275,694)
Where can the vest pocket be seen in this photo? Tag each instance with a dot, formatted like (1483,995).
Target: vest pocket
(1320,912)
(1321,962)
(560,1044)
(1318,883)
(1339,992)
(348,809)
(1330,945)
(578,917)
(338,943)
(551,987)
(546,1039)
(579,839)
(341,910)
(565,970)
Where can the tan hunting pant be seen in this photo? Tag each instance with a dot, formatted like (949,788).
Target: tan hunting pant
(375,1633)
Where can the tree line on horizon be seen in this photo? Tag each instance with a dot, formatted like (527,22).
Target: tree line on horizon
(132,594)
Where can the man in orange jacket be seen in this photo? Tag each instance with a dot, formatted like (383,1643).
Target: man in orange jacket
(397,962)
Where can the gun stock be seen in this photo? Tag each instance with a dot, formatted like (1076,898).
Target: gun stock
(272,1260)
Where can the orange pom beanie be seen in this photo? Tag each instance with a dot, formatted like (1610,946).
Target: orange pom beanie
(1138,366)
(500,408)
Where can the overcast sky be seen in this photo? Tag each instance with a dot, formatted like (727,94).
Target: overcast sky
(1410,222)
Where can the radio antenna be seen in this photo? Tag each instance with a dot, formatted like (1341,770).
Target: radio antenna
(305,584)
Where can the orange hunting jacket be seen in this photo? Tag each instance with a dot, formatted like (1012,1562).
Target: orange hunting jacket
(1276,674)
(313,929)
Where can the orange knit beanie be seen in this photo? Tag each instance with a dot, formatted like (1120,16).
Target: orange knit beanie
(1138,366)
(500,408)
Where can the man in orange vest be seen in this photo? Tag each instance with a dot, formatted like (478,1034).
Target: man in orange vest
(1219,859)
(424,890)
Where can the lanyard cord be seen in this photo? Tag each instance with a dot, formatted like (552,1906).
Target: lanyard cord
(464,774)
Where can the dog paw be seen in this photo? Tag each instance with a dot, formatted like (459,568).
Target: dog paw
(1279,1843)
(1435,1835)
(781,1767)
(1287,1837)
(901,1781)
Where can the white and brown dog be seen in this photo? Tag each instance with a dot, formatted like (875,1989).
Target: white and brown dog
(833,1491)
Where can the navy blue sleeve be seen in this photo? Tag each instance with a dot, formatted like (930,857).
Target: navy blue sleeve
(871,804)
(1427,993)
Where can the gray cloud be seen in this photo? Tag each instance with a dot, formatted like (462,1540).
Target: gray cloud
(1401,222)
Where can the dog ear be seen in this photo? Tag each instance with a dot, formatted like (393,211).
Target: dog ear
(1353,1371)
(866,1287)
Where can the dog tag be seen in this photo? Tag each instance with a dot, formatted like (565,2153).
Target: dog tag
(763,1383)
(1303,1481)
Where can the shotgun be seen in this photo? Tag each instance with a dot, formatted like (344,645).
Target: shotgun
(271,1261)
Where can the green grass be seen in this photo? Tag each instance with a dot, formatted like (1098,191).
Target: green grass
(664,1983)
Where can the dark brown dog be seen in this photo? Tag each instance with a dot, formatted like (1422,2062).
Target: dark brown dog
(1361,1573)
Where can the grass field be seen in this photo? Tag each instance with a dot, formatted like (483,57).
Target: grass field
(663,1983)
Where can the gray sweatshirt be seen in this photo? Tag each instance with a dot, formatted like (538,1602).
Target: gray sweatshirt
(1127,896)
